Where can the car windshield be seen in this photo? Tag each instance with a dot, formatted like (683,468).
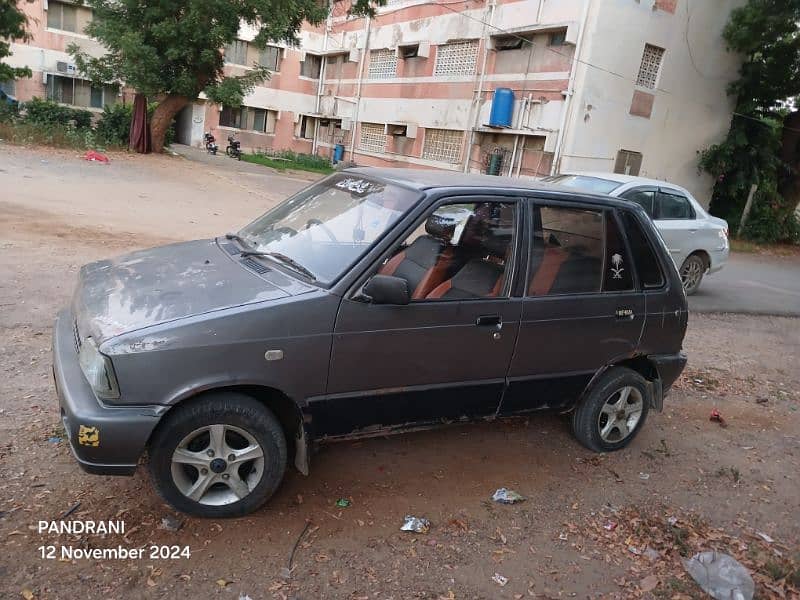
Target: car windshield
(327,227)
(585,183)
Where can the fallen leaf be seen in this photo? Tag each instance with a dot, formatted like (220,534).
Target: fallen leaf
(27,594)
(649,583)
(222,583)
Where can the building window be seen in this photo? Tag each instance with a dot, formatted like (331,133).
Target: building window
(382,64)
(8,87)
(261,120)
(271,58)
(458,58)
(443,145)
(306,127)
(61,15)
(230,117)
(557,38)
(236,52)
(311,66)
(372,137)
(650,66)
(509,42)
(628,162)
(79,92)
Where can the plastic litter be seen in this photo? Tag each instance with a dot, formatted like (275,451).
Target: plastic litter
(170,523)
(721,576)
(610,525)
(54,439)
(415,524)
(765,537)
(94,156)
(343,503)
(644,476)
(717,418)
(506,496)
(500,580)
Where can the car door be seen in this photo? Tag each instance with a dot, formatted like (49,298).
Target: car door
(443,356)
(677,222)
(582,308)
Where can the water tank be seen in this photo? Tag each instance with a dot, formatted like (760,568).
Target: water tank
(502,108)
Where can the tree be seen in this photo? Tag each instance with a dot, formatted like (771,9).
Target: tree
(761,147)
(172,51)
(12,27)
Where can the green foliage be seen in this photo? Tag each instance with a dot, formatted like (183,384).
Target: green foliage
(765,33)
(12,27)
(46,112)
(286,159)
(8,112)
(114,125)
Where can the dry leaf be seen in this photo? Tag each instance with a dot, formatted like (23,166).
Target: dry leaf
(649,583)
(222,583)
(27,594)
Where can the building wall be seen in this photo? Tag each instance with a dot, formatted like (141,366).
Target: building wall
(688,109)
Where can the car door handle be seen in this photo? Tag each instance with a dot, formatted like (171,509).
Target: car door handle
(692,230)
(489,321)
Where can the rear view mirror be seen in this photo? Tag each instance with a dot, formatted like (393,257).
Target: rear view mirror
(386,289)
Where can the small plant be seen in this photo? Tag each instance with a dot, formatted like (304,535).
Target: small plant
(47,112)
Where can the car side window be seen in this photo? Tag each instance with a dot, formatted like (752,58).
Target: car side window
(567,251)
(644,198)
(460,251)
(673,205)
(647,264)
(618,275)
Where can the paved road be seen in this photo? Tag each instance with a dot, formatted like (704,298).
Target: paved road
(752,284)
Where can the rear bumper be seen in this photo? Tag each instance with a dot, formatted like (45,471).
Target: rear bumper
(105,440)
(718,259)
(669,367)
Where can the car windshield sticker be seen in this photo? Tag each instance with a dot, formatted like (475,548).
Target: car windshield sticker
(617,269)
(359,186)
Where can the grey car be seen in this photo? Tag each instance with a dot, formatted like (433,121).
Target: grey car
(373,301)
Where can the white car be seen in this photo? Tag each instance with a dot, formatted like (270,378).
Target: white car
(697,242)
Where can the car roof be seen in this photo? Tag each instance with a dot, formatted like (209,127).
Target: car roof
(623,179)
(429,179)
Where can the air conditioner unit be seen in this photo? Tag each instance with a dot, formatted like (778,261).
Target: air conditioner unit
(61,66)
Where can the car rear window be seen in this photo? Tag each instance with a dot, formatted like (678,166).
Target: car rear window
(596,185)
(644,256)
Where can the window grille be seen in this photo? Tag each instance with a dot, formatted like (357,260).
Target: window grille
(650,66)
(382,64)
(372,138)
(457,58)
(443,145)
(271,58)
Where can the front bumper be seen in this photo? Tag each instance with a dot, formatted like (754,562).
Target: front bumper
(105,440)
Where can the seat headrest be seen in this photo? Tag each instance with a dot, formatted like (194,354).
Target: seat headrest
(485,230)
(440,227)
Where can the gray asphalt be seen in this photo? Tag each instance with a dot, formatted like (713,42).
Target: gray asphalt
(749,284)
(752,284)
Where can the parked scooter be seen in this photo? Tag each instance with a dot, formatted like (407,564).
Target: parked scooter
(211,143)
(234,149)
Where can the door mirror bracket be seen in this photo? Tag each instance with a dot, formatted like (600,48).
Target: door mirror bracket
(387,289)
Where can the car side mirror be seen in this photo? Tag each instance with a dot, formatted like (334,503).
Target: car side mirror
(386,289)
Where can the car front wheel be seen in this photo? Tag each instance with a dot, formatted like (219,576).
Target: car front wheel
(692,272)
(613,411)
(223,455)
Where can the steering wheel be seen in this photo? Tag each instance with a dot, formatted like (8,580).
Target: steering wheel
(324,228)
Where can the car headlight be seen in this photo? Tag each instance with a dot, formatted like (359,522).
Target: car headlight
(98,370)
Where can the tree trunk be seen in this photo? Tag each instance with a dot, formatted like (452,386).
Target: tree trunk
(162,118)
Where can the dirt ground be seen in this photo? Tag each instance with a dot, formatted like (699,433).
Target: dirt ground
(592,526)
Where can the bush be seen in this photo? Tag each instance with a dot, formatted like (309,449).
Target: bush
(46,112)
(9,111)
(770,221)
(114,126)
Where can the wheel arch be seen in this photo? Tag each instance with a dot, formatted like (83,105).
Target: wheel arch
(703,254)
(285,409)
(640,364)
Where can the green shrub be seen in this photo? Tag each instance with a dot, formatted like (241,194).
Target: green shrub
(48,112)
(9,112)
(770,221)
(114,126)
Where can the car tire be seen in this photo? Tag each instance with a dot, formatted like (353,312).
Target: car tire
(613,411)
(222,455)
(692,271)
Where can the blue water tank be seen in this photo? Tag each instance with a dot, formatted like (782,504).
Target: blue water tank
(502,108)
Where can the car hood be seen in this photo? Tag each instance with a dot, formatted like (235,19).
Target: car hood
(162,284)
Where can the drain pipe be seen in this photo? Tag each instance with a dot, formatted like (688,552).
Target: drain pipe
(321,84)
(474,110)
(361,62)
(570,92)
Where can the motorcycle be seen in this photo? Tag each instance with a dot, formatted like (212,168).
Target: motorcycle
(210,140)
(234,149)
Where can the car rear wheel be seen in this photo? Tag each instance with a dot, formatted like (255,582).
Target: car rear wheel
(613,411)
(692,272)
(223,455)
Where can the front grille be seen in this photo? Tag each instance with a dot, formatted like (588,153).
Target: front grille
(230,248)
(256,266)
(76,335)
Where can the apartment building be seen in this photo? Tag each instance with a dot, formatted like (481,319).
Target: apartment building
(634,86)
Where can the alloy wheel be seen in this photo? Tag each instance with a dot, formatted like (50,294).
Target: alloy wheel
(217,464)
(691,273)
(620,414)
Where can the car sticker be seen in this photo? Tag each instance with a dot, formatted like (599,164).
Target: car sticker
(617,269)
(88,436)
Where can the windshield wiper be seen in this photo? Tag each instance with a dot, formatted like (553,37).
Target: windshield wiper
(237,238)
(283,258)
